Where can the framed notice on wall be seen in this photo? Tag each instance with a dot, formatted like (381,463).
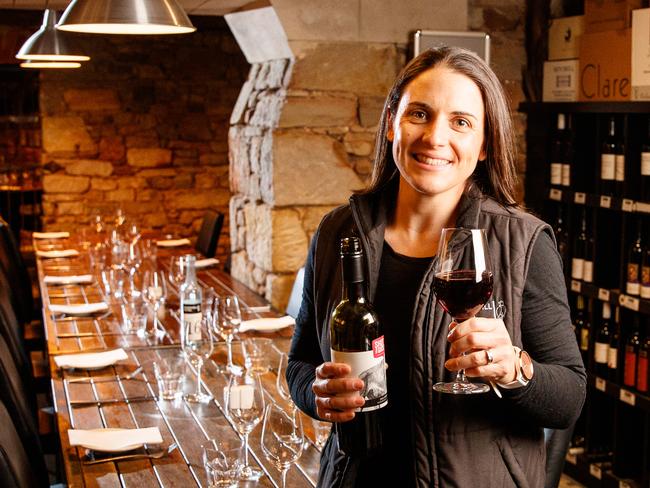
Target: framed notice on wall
(479,42)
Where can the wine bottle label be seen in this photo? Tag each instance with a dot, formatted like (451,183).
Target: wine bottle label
(369,366)
(588,271)
(619,167)
(556,173)
(642,372)
(630,367)
(645,164)
(645,281)
(600,352)
(584,339)
(192,320)
(612,357)
(577,268)
(566,175)
(607,166)
(632,286)
(645,291)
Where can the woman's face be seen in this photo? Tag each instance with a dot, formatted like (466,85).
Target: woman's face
(437,132)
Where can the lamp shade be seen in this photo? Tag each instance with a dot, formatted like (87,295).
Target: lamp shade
(50,64)
(47,44)
(125,17)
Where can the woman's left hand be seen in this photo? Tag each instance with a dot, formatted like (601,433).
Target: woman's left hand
(487,346)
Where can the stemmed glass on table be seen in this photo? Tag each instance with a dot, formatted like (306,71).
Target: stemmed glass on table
(462,284)
(228,322)
(244,405)
(282,438)
(177,270)
(198,346)
(154,292)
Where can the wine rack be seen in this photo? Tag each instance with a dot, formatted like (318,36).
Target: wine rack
(602,224)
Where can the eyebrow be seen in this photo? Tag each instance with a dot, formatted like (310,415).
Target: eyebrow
(429,108)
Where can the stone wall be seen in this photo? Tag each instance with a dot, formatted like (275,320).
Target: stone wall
(142,126)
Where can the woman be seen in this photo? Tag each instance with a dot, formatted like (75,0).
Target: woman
(444,158)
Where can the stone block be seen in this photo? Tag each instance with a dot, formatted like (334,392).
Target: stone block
(65,184)
(91,99)
(123,195)
(154,220)
(311,218)
(361,68)
(278,289)
(370,109)
(290,244)
(259,232)
(88,167)
(318,20)
(148,140)
(199,199)
(149,173)
(103,184)
(67,134)
(359,143)
(148,157)
(71,208)
(111,148)
(311,170)
(318,111)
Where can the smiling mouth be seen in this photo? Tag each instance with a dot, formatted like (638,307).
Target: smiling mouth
(420,158)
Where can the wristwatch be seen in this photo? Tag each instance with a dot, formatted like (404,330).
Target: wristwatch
(524,369)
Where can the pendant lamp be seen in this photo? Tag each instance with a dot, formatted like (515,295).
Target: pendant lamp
(48,44)
(50,64)
(125,17)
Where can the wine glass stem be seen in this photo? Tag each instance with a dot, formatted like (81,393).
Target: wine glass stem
(460,375)
(283,473)
(246,450)
(198,377)
(229,347)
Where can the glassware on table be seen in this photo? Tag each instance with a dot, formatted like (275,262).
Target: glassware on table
(170,376)
(198,346)
(282,438)
(257,353)
(154,292)
(462,284)
(244,406)
(321,432)
(177,270)
(229,320)
(113,281)
(134,316)
(222,462)
(281,380)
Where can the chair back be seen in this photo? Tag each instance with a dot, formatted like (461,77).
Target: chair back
(16,271)
(557,443)
(20,466)
(295,299)
(208,238)
(10,329)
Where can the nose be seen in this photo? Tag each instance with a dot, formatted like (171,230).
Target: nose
(436,132)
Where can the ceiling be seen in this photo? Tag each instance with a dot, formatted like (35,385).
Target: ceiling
(192,7)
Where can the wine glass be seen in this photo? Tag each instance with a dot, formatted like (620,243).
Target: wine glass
(281,380)
(198,346)
(282,438)
(229,319)
(244,405)
(177,270)
(154,292)
(462,284)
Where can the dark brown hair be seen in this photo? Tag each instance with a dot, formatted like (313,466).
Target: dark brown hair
(496,176)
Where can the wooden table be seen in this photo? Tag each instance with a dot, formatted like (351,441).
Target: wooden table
(187,424)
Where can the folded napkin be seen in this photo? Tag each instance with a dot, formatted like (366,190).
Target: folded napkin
(267,324)
(50,235)
(173,242)
(204,263)
(63,253)
(114,440)
(68,280)
(80,309)
(90,360)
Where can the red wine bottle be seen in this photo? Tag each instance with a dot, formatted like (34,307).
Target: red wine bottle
(558,152)
(461,293)
(567,153)
(642,364)
(631,355)
(602,343)
(357,340)
(634,258)
(579,318)
(619,168)
(612,351)
(608,160)
(562,238)
(588,263)
(644,193)
(645,270)
(579,249)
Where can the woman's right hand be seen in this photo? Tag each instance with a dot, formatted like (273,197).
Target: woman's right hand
(337,395)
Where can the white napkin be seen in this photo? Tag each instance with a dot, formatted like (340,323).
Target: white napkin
(173,242)
(80,308)
(67,280)
(267,324)
(114,440)
(204,263)
(90,360)
(50,235)
(64,253)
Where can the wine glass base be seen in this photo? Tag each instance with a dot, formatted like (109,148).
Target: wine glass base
(234,369)
(197,398)
(248,473)
(461,388)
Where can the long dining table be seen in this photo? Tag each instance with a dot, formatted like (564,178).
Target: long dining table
(98,399)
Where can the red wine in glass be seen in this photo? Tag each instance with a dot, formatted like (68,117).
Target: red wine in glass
(463,293)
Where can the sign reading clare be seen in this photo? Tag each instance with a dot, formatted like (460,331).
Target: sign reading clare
(605,66)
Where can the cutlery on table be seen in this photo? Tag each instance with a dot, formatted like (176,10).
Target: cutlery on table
(112,401)
(125,457)
(102,379)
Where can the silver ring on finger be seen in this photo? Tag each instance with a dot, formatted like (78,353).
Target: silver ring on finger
(489,356)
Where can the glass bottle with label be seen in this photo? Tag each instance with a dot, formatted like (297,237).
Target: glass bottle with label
(631,355)
(190,299)
(588,264)
(612,351)
(562,238)
(644,193)
(643,364)
(579,248)
(619,167)
(357,340)
(634,258)
(558,152)
(608,160)
(645,268)
(567,153)
(602,343)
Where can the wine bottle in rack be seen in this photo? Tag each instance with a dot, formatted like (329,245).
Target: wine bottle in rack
(357,340)
(644,193)
(579,249)
(585,333)
(601,346)
(588,264)
(567,153)
(558,152)
(634,258)
(642,363)
(579,317)
(631,354)
(645,268)
(613,349)
(608,160)
(562,237)
(619,166)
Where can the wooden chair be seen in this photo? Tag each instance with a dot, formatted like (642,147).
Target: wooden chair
(16,271)
(208,238)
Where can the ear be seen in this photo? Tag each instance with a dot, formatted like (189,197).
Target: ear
(482,156)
